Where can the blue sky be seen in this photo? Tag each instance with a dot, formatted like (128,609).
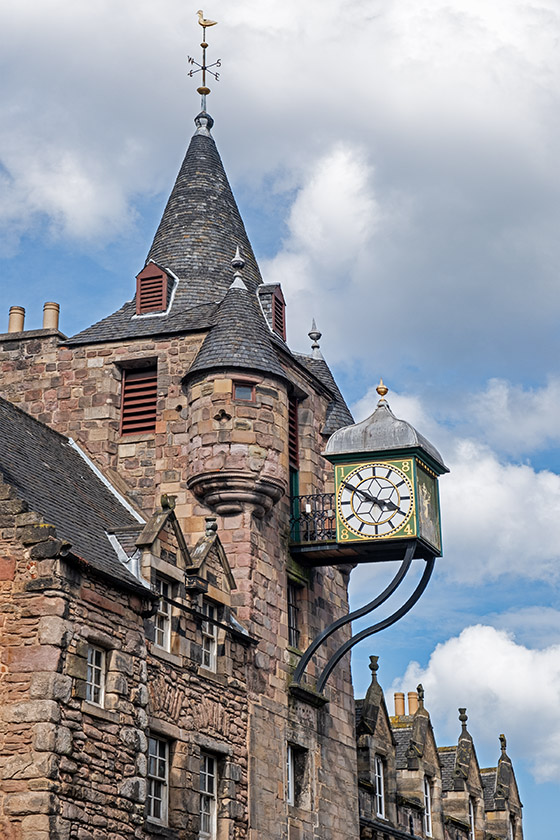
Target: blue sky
(396,167)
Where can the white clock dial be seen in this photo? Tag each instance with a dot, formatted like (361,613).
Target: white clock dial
(375,500)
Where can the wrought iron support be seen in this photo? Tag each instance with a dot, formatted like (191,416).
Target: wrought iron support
(360,613)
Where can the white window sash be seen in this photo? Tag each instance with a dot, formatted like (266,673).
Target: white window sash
(95,681)
(290,774)
(208,798)
(163,616)
(379,788)
(427,807)
(209,638)
(158,783)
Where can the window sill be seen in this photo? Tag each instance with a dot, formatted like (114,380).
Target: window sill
(99,712)
(160,830)
(212,675)
(139,438)
(167,656)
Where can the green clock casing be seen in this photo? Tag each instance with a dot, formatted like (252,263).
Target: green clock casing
(385,499)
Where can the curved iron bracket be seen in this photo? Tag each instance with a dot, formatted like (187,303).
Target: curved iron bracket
(359,613)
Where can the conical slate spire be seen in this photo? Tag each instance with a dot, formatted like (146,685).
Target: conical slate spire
(198,225)
(240,337)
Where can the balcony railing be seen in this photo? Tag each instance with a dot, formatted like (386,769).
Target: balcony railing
(313,519)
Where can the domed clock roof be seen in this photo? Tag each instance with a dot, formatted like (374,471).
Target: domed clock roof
(381,432)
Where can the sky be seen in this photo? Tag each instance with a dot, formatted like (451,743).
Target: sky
(395,164)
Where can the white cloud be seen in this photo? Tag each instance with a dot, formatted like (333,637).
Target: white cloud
(505,686)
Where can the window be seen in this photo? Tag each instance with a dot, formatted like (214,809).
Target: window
(151,290)
(293,614)
(379,787)
(296,765)
(279,314)
(209,637)
(511,829)
(427,807)
(243,391)
(163,615)
(208,785)
(139,401)
(471,820)
(158,769)
(95,681)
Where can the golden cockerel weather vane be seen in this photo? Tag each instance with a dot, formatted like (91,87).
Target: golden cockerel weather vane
(205,68)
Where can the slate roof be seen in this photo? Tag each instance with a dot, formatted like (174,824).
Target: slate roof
(402,737)
(447,756)
(338,413)
(57,483)
(489,777)
(200,228)
(239,338)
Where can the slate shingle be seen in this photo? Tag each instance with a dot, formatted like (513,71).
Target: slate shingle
(57,483)
(338,413)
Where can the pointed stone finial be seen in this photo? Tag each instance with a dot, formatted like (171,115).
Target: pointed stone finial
(211,526)
(315,334)
(167,502)
(420,692)
(463,717)
(238,263)
(374,667)
(503,744)
(382,390)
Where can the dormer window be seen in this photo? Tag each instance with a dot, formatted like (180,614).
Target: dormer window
(151,290)
(279,313)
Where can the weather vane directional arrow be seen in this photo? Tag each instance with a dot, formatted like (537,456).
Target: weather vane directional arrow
(204,68)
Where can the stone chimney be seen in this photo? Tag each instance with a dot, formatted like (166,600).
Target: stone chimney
(412,702)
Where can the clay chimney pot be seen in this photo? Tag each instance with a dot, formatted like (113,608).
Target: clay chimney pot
(50,315)
(16,319)
(399,703)
(412,702)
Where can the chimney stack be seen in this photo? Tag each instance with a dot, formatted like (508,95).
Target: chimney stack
(412,702)
(16,319)
(399,703)
(50,315)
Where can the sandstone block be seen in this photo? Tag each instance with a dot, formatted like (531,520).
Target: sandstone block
(30,534)
(133,788)
(31,711)
(54,631)
(31,658)
(7,568)
(35,802)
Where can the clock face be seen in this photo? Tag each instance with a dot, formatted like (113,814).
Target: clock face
(375,500)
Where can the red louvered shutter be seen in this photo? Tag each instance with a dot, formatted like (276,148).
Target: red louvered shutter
(279,315)
(151,290)
(293,433)
(139,401)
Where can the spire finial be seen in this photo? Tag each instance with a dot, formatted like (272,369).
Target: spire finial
(205,68)
(463,717)
(382,390)
(503,744)
(315,334)
(374,667)
(238,263)
(420,692)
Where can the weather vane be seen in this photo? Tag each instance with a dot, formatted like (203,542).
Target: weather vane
(205,68)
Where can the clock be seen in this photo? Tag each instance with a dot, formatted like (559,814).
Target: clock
(375,500)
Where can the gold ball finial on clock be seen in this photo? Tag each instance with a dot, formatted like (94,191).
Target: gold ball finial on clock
(382,390)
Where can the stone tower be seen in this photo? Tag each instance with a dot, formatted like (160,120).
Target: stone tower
(190,391)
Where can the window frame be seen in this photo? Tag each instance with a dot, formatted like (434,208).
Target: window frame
(427,807)
(96,669)
(290,775)
(472,819)
(239,383)
(379,767)
(139,393)
(162,617)
(209,632)
(208,804)
(293,597)
(155,779)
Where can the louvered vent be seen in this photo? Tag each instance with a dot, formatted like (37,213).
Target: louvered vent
(139,401)
(278,316)
(151,290)
(293,442)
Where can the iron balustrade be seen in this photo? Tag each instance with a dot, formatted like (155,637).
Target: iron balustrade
(313,518)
